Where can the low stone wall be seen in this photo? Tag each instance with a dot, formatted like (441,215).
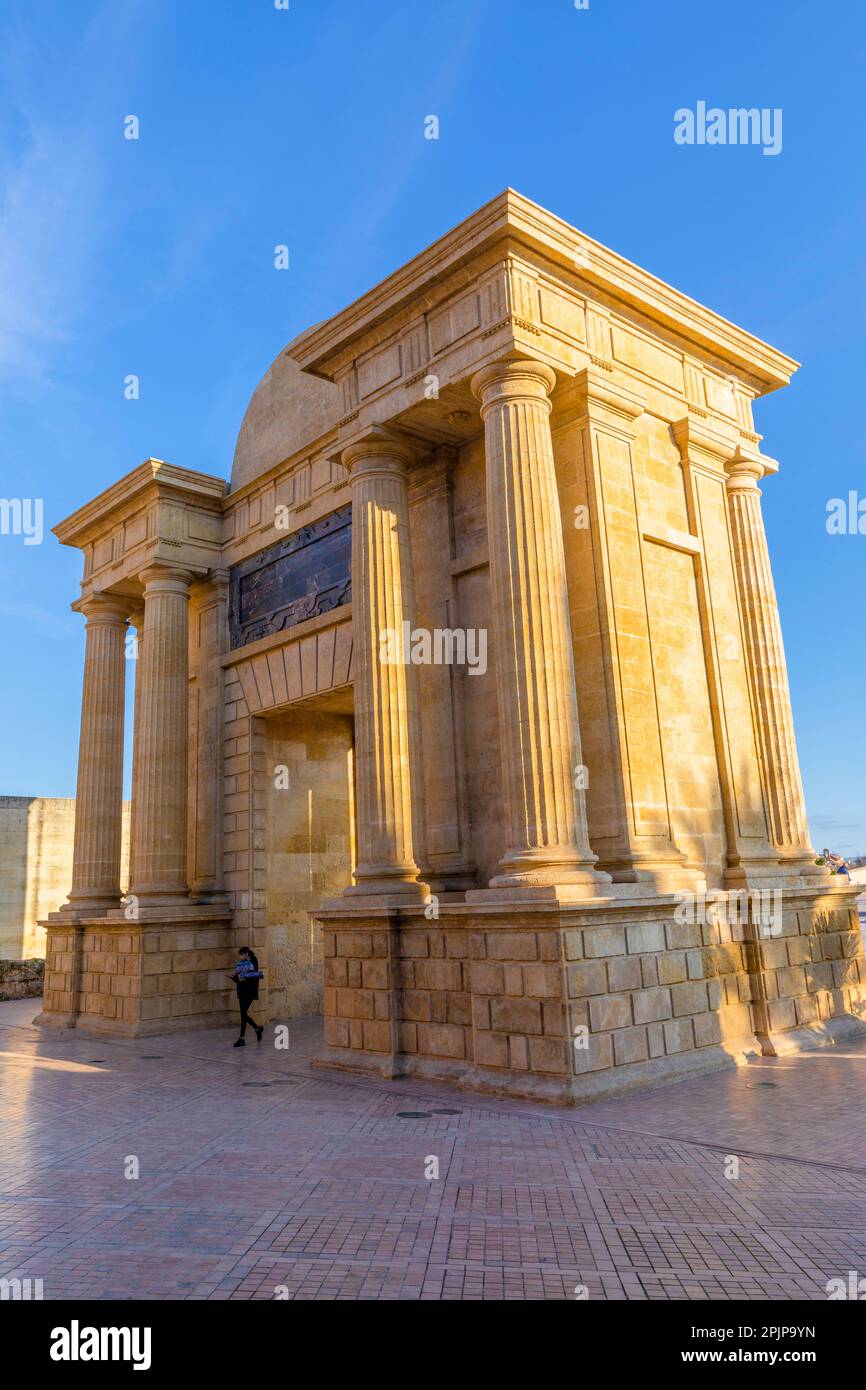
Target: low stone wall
(571,1004)
(21,979)
(138,979)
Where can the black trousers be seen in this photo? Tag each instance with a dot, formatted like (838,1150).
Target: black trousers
(246,1001)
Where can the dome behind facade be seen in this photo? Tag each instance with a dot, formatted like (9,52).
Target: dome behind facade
(288,409)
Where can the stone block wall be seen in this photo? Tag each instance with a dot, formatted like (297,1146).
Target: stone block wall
(655,997)
(310,848)
(813,973)
(567,1005)
(139,979)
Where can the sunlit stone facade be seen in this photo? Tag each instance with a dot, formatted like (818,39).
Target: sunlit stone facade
(578,865)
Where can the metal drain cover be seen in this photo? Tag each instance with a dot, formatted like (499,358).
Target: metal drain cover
(762,1085)
(151,1056)
(256,1083)
(414,1114)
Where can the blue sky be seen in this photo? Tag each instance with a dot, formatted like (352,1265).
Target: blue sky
(306,127)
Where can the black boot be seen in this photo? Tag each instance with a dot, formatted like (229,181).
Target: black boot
(240,1043)
(260,1033)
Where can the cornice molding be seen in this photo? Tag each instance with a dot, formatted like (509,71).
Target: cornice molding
(692,436)
(517,224)
(156,476)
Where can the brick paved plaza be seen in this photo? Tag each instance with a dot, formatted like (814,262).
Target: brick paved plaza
(317,1188)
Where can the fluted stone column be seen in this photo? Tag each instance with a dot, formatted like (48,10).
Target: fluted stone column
(545,811)
(387,723)
(449,866)
(160,752)
(767,670)
(99,794)
(209,639)
(136,618)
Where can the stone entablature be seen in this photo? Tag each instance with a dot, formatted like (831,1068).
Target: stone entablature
(539,288)
(157,513)
(301,490)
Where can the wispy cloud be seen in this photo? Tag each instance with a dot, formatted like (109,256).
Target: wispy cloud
(40,617)
(65,104)
(844,833)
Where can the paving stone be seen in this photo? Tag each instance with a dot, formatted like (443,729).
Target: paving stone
(261,1178)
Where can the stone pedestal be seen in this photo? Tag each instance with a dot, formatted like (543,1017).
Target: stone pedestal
(567,1005)
(133,979)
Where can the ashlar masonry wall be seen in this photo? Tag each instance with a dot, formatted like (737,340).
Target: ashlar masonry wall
(582,1003)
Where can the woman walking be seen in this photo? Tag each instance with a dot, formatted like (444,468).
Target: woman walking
(246,978)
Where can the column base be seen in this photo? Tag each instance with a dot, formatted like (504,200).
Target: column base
(504,892)
(661,868)
(803,868)
(771,871)
(81,911)
(396,887)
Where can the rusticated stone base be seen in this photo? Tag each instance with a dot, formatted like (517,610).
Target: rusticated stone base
(570,1004)
(135,979)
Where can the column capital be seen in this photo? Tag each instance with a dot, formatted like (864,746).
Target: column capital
(136,615)
(744,471)
(377,451)
(103,608)
(165,577)
(513,379)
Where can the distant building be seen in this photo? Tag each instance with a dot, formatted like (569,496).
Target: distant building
(36,836)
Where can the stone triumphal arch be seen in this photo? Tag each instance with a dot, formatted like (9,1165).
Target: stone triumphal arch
(586,866)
